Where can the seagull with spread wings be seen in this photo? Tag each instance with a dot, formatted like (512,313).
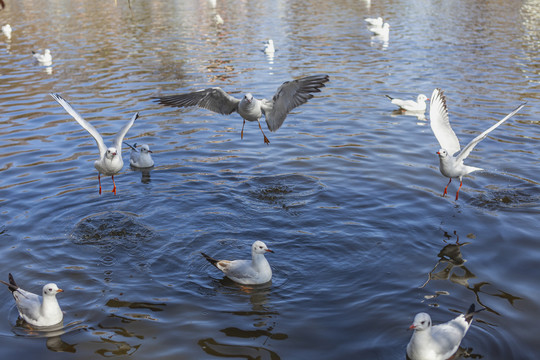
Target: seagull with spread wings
(450,166)
(288,96)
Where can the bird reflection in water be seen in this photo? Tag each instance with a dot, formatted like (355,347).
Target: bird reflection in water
(52,334)
(261,316)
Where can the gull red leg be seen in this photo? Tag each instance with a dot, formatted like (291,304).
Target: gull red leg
(99,180)
(460,183)
(114,185)
(446,188)
(266,141)
(242,132)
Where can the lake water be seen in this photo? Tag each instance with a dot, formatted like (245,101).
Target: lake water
(347,194)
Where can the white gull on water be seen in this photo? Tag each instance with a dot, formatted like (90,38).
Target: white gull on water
(140,158)
(437,342)
(44,59)
(110,158)
(288,96)
(248,272)
(411,105)
(450,166)
(34,309)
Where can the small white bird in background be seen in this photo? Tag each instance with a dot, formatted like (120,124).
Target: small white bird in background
(374,21)
(382,31)
(140,158)
(110,159)
(269,47)
(34,309)
(438,342)
(411,105)
(218,20)
(6,29)
(44,59)
(248,272)
(288,96)
(450,166)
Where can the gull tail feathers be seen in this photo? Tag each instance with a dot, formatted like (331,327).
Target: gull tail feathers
(210,259)
(470,313)
(388,96)
(12,285)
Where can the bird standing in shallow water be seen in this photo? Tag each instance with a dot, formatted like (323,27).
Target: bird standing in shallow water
(288,96)
(110,158)
(450,166)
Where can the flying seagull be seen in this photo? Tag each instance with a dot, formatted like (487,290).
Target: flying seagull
(247,272)
(34,309)
(437,342)
(110,158)
(288,96)
(450,166)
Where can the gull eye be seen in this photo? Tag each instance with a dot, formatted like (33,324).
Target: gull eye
(423,322)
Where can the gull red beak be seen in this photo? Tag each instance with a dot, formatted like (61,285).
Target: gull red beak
(59,290)
(150,151)
(412,327)
(272,251)
(438,153)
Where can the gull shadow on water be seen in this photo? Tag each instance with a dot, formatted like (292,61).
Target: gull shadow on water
(419,115)
(145,173)
(451,267)
(212,347)
(289,192)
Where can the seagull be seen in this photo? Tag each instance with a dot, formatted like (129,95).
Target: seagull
(142,158)
(32,309)
(288,96)
(438,342)
(450,166)
(269,47)
(44,59)
(411,105)
(381,30)
(218,20)
(248,272)
(6,29)
(110,159)
(374,21)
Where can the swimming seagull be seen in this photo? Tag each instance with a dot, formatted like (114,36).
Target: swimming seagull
(110,159)
(269,47)
(450,166)
(44,59)
(411,105)
(437,342)
(6,29)
(142,158)
(247,272)
(381,30)
(288,96)
(218,20)
(32,308)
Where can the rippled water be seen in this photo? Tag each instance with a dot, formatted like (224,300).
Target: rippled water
(348,193)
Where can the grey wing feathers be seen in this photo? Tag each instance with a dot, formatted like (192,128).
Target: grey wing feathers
(290,95)
(467,149)
(213,99)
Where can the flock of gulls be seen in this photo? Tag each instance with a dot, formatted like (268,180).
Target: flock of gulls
(428,341)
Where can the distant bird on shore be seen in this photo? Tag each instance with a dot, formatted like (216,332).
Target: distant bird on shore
(248,272)
(411,105)
(287,97)
(450,166)
(6,30)
(140,158)
(437,342)
(44,59)
(34,309)
(110,158)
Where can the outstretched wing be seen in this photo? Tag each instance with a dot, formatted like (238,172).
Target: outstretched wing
(470,146)
(123,131)
(85,124)
(290,95)
(213,99)
(438,119)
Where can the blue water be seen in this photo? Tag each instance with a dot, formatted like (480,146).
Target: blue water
(347,194)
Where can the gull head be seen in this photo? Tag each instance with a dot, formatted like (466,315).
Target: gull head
(111,153)
(47,52)
(259,247)
(248,97)
(443,154)
(422,98)
(145,149)
(51,290)
(422,321)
